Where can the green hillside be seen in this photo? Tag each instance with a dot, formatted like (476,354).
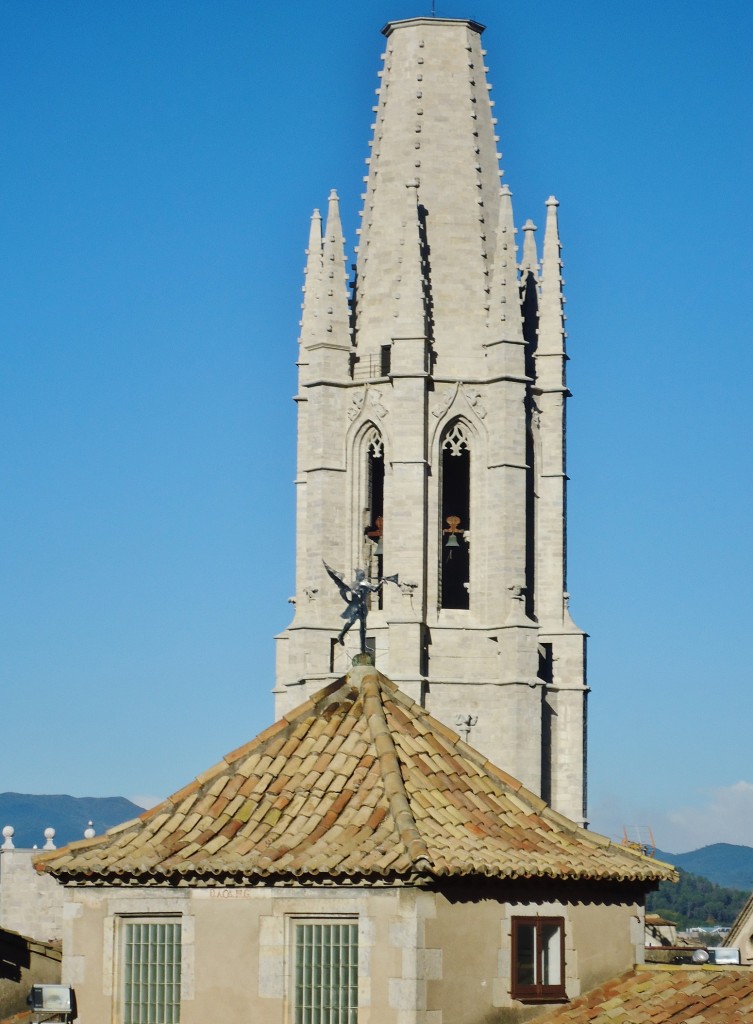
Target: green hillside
(696,902)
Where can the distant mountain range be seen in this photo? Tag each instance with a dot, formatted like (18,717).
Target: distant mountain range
(723,863)
(68,815)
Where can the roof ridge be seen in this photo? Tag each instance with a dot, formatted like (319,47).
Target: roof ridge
(172,802)
(255,818)
(389,763)
(283,725)
(539,805)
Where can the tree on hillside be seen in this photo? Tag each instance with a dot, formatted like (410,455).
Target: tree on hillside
(696,902)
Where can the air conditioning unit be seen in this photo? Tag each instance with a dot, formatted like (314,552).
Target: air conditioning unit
(717,955)
(52,998)
(53,1002)
(724,955)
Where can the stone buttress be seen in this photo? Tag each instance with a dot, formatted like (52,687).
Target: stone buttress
(431,430)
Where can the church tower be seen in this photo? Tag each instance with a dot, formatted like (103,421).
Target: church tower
(431,430)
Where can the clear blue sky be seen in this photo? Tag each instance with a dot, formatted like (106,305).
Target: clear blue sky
(160,162)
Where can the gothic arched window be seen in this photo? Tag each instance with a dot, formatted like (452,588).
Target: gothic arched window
(374,513)
(455,522)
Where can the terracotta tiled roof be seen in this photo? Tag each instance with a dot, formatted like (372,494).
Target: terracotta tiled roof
(359,783)
(662,994)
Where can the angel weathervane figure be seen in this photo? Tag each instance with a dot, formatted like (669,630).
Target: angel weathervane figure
(356,597)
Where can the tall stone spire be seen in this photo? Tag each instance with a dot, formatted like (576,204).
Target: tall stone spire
(433,121)
(431,430)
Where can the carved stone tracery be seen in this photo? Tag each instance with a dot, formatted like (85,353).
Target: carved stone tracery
(455,440)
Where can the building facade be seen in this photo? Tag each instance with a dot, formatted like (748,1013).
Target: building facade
(431,430)
(355,862)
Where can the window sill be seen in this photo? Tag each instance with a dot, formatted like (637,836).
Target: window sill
(545,997)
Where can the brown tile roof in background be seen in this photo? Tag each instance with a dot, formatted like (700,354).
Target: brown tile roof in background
(358,783)
(656,994)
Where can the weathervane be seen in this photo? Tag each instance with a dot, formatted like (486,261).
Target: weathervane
(356,597)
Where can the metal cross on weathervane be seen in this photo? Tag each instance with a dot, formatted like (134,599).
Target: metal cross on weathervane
(356,597)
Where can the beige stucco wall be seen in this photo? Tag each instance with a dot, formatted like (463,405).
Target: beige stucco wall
(424,957)
(603,938)
(609,938)
(236,946)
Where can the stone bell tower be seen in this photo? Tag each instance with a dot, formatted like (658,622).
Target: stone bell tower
(431,430)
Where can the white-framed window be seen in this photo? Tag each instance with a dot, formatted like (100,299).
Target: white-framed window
(150,956)
(325,971)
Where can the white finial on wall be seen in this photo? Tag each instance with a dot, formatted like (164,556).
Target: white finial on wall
(8,833)
(49,835)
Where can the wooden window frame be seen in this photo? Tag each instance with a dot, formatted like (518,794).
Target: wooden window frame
(539,991)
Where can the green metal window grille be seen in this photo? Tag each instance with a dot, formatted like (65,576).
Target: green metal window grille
(151,973)
(326,973)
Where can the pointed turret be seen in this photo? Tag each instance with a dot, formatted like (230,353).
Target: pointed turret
(529,291)
(530,262)
(504,304)
(334,277)
(310,319)
(551,316)
(325,325)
